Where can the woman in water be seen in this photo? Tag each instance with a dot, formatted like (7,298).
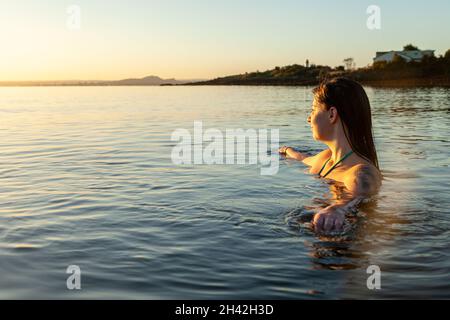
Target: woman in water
(341,119)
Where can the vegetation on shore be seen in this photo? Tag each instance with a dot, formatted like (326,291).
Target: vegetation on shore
(431,71)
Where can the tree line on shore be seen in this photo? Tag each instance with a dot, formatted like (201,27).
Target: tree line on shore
(431,70)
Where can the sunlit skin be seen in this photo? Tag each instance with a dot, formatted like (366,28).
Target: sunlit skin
(360,177)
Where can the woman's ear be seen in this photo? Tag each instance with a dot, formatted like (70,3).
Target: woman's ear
(333,115)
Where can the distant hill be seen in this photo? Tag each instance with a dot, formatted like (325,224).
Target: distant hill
(146,81)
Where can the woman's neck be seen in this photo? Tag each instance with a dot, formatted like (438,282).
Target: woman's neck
(339,148)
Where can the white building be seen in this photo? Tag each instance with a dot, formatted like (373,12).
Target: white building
(408,55)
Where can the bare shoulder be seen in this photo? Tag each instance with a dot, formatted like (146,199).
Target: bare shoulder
(363,179)
(318,158)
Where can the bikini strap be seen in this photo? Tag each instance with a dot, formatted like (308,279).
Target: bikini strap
(323,167)
(336,164)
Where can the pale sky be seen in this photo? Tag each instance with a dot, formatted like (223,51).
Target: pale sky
(204,38)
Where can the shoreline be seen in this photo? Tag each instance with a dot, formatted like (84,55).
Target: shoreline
(388,83)
(441,82)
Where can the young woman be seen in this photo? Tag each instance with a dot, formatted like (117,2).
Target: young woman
(341,119)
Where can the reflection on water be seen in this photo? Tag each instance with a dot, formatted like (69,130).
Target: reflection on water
(87,179)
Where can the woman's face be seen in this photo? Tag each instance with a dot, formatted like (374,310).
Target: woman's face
(320,122)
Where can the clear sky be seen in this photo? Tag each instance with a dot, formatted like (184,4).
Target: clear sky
(204,38)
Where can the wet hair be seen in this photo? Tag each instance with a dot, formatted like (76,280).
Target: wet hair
(353,107)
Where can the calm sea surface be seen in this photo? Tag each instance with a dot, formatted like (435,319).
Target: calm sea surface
(86,179)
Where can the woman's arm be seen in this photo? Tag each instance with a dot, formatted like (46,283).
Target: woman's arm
(362,182)
(290,153)
(332,217)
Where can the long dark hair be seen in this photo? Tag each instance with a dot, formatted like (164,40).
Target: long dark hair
(353,107)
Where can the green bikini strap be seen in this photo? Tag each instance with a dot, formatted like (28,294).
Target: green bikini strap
(323,167)
(336,164)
